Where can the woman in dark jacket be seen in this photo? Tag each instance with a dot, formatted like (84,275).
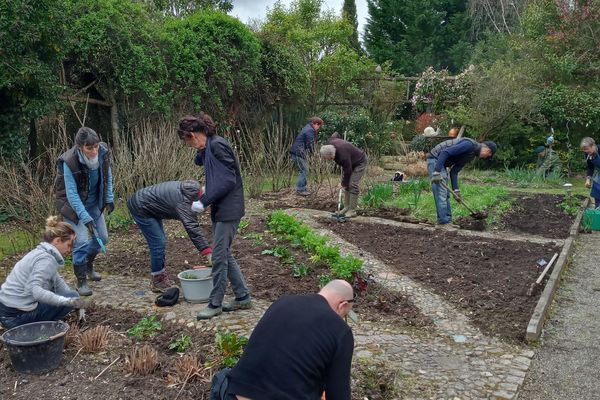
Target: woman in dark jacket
(225,194)
(588,146)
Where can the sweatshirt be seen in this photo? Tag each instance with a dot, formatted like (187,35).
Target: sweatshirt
(35,279)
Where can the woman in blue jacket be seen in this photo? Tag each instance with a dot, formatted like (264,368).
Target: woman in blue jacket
(225,194)
(84,190)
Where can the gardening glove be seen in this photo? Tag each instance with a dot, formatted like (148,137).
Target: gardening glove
(197,206)
(436,177)
(109,208)
(588,183)
(91,226)
(207,252)
(77,303)
(457,195)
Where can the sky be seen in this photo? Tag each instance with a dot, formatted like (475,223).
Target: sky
(246,10)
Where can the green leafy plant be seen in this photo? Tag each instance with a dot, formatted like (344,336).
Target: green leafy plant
(230,346)
(243,225)
(278,251)
(300,270)
(324,279)
(257,238)
(189,275)
(378,195)
(415,188)
(570,204)
(147,327)
(181,344)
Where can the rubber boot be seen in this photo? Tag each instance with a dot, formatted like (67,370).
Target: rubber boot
(344,210)
(351,213)
(82,286)
(92,276)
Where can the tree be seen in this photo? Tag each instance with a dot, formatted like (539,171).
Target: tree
(186,7)
(416,34)
(31,45)
(349,14)
(500,16)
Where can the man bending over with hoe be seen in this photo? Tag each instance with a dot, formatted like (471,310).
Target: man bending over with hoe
(354,164)
(453,154)
(167,200)
(301,347)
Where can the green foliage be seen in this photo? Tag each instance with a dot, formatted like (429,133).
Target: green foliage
(217,56)
(525,177)
(257,238)
(378,195)
(244,224)
(181,344)
(342,267)
(349,14)
(120,220)
(147,327)
(31,46)
(324,279)
(183,7)
(571,204)
(414,189)
(278,251)
(418,34)
(189,275)
(300,270)
(230,346)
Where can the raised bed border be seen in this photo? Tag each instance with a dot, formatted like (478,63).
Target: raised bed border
(538,318)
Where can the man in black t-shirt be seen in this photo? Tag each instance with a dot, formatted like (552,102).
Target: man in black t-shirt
(301,347)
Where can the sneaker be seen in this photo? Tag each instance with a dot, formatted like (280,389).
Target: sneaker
(208,313)
(303,193)
(160,283)
(235,305)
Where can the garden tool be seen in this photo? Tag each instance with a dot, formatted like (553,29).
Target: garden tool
(476,215)
(537,282)
(97,236)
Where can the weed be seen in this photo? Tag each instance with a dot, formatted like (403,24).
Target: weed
(244,224)
(148,326)
(182,344)
(571,204)
(278,251)
(231,346)
(119,220)
(324,279)
(189,275)
(257,238)
(300,270)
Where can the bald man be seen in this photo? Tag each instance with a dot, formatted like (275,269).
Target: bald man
(301,347)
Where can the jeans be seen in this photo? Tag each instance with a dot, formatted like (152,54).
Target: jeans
(441,196)
(302,166)
(86,248)
(225,267)
(10,318)
(154,233)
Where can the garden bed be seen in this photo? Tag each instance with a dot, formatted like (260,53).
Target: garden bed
(486,277)
(538,214)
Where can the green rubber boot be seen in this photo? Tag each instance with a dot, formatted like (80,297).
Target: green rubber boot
(82,287)
(351,213)
(91,274)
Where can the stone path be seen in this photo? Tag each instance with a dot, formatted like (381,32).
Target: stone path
(566,366)
(455,361)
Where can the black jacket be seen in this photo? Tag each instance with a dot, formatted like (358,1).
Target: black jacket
(304,144)
(224,189)
(170,200)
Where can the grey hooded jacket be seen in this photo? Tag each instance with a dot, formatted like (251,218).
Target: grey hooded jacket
(171,200)
(35,279)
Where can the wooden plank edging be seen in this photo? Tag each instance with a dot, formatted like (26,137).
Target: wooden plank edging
(536,323)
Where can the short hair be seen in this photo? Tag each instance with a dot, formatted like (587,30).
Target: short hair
(587,142)
(327,150)
(201,123)
(57,229)
(316,120)
(86,137)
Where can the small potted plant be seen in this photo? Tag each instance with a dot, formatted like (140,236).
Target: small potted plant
(196,284)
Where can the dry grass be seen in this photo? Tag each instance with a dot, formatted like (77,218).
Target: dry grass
(95,339)
(188,369)
(73,335)
(142,360)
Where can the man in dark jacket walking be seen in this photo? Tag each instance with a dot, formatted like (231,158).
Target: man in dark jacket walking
(167,200)
(304,146)
(225,194)
(453,154)
(354,164)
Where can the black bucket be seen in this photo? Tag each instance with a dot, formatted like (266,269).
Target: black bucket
(36,348)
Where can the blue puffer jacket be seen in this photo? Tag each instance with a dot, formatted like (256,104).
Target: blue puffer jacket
(304,144)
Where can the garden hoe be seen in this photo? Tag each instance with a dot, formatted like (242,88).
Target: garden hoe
(475,215)
(102,246)
(336,215)
(538,281)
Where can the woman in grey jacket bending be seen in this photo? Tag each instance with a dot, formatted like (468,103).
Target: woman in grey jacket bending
(34,291)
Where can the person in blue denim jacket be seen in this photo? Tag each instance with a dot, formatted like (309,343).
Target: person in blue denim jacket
(304,146)
(34,291)
(84,191)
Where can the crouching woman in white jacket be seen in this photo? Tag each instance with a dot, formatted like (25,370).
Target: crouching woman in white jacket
(34,291)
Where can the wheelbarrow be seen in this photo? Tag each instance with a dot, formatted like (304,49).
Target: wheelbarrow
(474,214)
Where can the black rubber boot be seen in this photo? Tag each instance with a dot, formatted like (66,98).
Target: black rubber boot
(82,286)
(92,276)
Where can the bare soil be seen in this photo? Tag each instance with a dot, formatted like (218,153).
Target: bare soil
(488,278)
(538,214)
